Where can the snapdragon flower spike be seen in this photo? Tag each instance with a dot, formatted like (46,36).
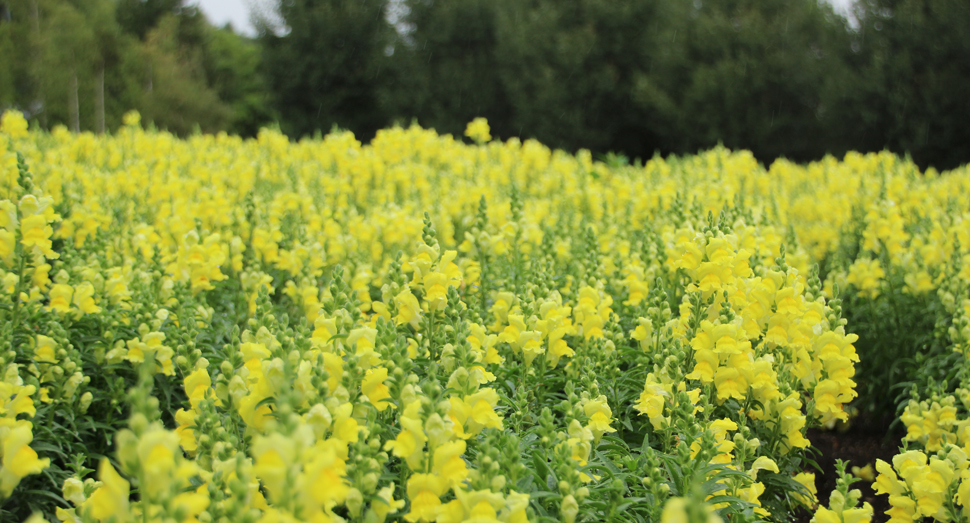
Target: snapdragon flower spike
(420,329)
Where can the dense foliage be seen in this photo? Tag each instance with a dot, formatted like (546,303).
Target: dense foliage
(83,64)
(780,78)
(218,329)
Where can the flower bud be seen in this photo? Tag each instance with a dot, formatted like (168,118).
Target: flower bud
(85,402)
(569,509)
(354,501)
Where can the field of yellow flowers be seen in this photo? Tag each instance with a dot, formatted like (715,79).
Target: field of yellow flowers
(225,330)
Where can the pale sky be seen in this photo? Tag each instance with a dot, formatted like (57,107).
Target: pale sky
(237,12)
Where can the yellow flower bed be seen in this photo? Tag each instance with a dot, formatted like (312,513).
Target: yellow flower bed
(423,330)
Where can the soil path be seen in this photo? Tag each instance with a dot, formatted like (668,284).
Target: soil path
(864,441)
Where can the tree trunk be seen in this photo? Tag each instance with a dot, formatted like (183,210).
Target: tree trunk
(38,61)
(99,99)
(73,103)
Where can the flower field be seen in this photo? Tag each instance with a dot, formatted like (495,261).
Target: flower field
(419,330)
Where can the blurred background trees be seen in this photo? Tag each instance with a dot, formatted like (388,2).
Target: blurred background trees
(326,69)
(779,77)
(84,63)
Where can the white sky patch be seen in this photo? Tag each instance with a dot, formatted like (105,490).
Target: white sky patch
(843,7)
(235,12)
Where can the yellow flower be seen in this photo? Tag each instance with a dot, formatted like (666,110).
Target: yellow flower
(15,399)
(436,290)
(807,479)
(751,495)
(363,339)
(483,412)
(412,438)
(131,118)
(827,401)
(530,342)
(930,485)
(185,420)
(762,463)
(600,415)
(13,124)
(824,515)
(476,506)
(478,130)
(117,288)
(408,309)
(730,384)
(84,298)
(157,450)
(705,366)
(46,350)
(19,459)
(319,418)
(61,298)
(866,275)
(424,491)
(384,504)
(861,514)
(903,509)
(865,473)
(652,401)
(558,348)
(192,503)
(326,472)
(197,384)
(8,215)
(448,463)
(515,507)
(643,333)
(690,258)
(374,389)
(887,482)
(676,510)
(273,455)
(68,515)
(8,244)
(111,498)
(36,234)
(73,491)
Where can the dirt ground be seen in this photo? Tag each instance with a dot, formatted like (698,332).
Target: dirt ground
(865,440)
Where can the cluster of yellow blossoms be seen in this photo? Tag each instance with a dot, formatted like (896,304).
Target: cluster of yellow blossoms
(904,251)
(422,330)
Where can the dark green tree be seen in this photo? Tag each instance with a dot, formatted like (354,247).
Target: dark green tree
(908,92)
(20,50)
(67,65)
(754,75)
(138,17)
(8,57)
(324,67)
(582,73)
(232,65)
(446,68)
(636,77)
(178,97)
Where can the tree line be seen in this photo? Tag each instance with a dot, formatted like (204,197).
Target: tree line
(638,77)
(84,63)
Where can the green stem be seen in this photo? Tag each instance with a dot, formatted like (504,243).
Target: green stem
(19,288)
(483,280)
(431,340)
